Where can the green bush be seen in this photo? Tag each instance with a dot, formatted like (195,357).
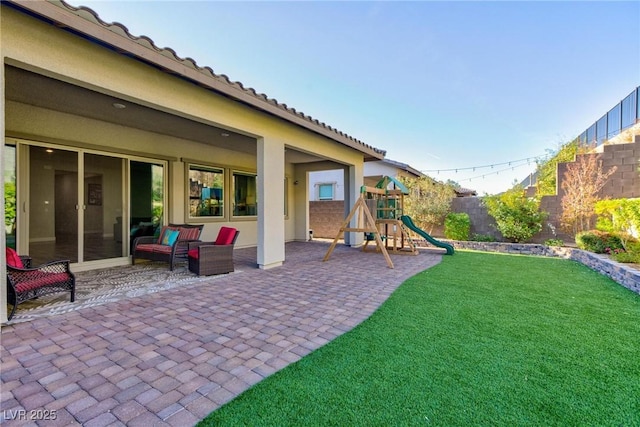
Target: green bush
(554,242)
(517,216)
(598,241)
(627,257)
(619,216)
(457,226)
(630,255)
(483,238)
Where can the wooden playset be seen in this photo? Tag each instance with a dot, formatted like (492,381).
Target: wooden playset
(379,211)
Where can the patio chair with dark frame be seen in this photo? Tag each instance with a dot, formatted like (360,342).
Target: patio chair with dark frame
(25,283)
(208,258)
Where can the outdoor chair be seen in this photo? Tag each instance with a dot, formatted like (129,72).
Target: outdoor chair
(25,283)
(170,246)
(208,258)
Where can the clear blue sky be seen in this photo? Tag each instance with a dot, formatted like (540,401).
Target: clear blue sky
(438,85)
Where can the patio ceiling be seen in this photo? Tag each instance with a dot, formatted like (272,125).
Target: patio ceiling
(46,92)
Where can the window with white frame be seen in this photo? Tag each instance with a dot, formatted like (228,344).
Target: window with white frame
(325,191)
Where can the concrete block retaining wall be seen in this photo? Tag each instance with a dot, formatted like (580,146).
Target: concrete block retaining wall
(625,275)
(623,183)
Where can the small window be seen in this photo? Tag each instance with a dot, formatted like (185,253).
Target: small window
(325,192)
(245,194)
(206,192)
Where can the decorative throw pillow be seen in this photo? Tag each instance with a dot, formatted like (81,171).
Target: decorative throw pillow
(13,259)
(170,237)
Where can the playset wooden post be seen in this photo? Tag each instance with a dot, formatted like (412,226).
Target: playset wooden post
(379,210)
(366,224)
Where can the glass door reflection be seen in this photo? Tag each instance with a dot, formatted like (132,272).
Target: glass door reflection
(53,205)
(103,205)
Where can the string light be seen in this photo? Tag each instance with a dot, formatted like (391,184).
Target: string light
(497,172)
(473,168)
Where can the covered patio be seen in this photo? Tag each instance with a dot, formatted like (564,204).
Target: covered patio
(108,137)
(172,356)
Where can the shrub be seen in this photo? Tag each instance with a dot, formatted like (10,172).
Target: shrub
(483,238)
(598,241)
(554,242)
(621,216)
(517,216)
(631,255)
(457,226)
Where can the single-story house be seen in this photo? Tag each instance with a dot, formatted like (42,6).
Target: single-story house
(106,134)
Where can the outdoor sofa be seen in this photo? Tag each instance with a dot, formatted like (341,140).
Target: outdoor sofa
(171,245)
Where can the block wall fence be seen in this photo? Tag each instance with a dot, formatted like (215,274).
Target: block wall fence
(325,217)
(623,183)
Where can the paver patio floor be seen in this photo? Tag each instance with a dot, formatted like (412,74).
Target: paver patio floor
(172,357)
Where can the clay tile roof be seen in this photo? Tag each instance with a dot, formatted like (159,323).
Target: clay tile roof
(465,192)
(405,167)
(62,14)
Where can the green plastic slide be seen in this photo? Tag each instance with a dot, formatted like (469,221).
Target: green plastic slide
(406,220)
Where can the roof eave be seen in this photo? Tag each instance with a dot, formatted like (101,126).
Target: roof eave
(86,22)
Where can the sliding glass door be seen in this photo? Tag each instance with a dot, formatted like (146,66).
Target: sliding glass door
(10,200)
(63,207)
(103,194)
(65,203)
(53,204)
(146,199)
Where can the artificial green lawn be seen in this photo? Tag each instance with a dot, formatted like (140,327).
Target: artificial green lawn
(480,339)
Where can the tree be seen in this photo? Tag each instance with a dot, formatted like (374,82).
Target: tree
(429,201)
(546,170)
(517,216)
(582,182)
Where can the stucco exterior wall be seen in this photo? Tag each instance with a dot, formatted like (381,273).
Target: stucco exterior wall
(334,177)
(33,45)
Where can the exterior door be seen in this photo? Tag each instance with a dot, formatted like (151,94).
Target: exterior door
(72,218)
(53,204)
(103,205)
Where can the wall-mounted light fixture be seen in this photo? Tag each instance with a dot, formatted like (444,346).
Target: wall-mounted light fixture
(119,106)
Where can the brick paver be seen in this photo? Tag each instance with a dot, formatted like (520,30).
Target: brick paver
(172,357)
